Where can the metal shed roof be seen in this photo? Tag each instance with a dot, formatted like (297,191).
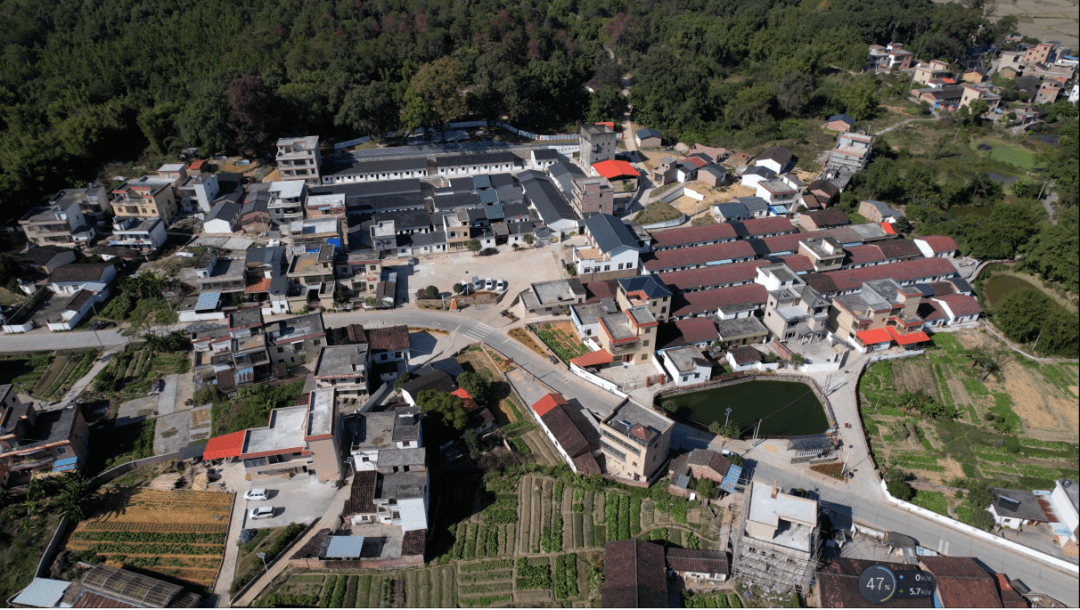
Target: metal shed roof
(207,301)
(344,547)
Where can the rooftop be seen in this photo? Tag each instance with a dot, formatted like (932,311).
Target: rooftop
(341,361)
(649,286)
(284,432)
(296,329)
(631,415)
(320,414)
(634,575)
(610,233)
(686,359)
(558,291)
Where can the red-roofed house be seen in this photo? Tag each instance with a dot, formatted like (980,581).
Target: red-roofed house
(760,228)
(958,308)
(961,583)
(570,430)
(713,276)
(688,237)
(726,303)
(936,246)
(620,173)
(697,331)
(692,258)
(593,359)
(467,401)
(905,273)
(223,447)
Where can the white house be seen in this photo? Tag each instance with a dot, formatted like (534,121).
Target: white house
(72,278)
(777,158)
(223,218)
(958,308)
(613,247)
(754,174)
(75,310)
(143,234)
(936,246)
(1014,508)
(685,365)
(1064,502)
(745,358)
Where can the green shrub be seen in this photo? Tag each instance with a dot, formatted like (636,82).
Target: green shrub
(328,591)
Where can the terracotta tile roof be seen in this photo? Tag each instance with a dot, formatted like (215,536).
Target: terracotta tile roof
(744,354)
(790,243)
(864,254)
(939,243)
(827,218)
(713,275)
(707,301)
(697,330)
(598,291)
(226,380)
(686,257)
(593,358)
(262,285)
(229,445)
(874,336)
(898,249)
(697,162)
(710,460)
(692,235)
(903,271)
(86,272)
(1010,598)
(929,309)
(575,435)
(634,575)
(961,583)
(798,263)
(960,304)
(413,542)
(547,403)
(586,464)
(391,338)
(362,495)
(687,560)
(467,401)
(763,226)
(90,599)
(838,584)
(615,168)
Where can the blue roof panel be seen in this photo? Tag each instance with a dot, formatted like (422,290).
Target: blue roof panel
(731,478)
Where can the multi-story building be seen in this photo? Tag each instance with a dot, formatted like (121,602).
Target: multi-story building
(593,195)
(197,193)
(825,253)
(306,438)
(146,235)
(394,490)
(1049,91)
(93,201)
(794,311)
(345,368)
(145,198)
(1038,54)
(614,250)
(295,341)
(299,159)
(360,272)
(629,336)
(647,291)
(286,203)
(924,73)
(883,59)
(879,313)
(597,144)
(59,224)
(979,92)
(33,441)
(214,273)
(314,271)
(635,442)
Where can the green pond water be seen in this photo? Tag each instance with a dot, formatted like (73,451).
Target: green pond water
(786,408)
(1001,285)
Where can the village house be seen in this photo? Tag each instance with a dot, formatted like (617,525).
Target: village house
(878,211)
(648,138)
(597,144)
(634,575)
(936,69)
(574,436)
(635,442)
(223,218)
(840,123)
(646,291)
(740,208)
(884,59)
(613,250)
(58,224)
(685,365)
(46,259)
(34,441)
(145,198)
(298,158)
(197,193)
(343,368)
(881,312)
(296,341)
(593,196)
(144,235)
(794,312)
(779,159)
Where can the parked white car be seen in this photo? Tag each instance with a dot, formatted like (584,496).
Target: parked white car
(500,285)
(256,494)
(489,284)
(263,512)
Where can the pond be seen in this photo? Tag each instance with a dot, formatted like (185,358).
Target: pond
(1001,285)
(786,408)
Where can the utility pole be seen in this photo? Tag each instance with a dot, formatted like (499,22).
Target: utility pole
(267,569)
(727,417)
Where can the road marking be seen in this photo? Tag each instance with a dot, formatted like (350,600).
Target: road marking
(940,543)
(946,551)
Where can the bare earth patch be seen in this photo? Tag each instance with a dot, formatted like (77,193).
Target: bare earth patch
(959,393)
(912,375)
(1033,402)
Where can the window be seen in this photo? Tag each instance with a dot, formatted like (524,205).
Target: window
(645,343)
(663,310)
(607,267)
(318,342)
(281,350)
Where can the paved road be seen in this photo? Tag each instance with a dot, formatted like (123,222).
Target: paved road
(44,340)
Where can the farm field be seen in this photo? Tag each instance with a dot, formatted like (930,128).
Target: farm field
(533,540)
(46,376)
(562,339)
(180,534)
(1013,428)
(484,362)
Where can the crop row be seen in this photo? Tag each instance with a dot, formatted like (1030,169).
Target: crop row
(150,548)
(157,537)
(483,566)
(533,575)
(133,526)
(566,576)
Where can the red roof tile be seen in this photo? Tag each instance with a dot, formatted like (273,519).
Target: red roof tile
(888,228)
(764,226)
(899,249)
(615,168)
(697,162)
(903,271)
(390,338)
(906,339)
(939,243)
(467,401)
(575,435)
(197,164)
(687,257)
(697,330)
(790,243)
(362,494)
(1009,596)
(712,276)
(961,583)
(692,235)
(960,304)
(798,263)
(838,584)
(586,464)
(598,291)
(229,445)
(412,543)
(262,285)
(634,575)
(864,254)
(547,403)
(593,358)
(707,301)
(875,336)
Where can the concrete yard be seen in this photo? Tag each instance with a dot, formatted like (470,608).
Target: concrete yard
(301,499)
(519,269)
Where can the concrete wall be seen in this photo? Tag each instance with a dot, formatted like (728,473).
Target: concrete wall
(593,379)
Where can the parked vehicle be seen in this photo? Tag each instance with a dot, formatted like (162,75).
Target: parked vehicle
(500,285)
(489,284)
(553,359)
(478,284)
(256,494)
(247,535)
(263,512)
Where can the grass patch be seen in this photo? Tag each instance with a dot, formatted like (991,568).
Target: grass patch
(932,500)
(1010,421)
(248,563)
(657,211)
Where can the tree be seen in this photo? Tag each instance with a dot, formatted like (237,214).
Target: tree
(860,98)
(731,430)
(443,413)
(158,124)
(252,113)
(458,288)
(794,91)
(1020,313)
(472,441)
(797,360)
(979,497)
(402,379)
(371,109)
(529,239)
(474,245)
(146,285)
(434,94)
(735,459)
(431,292)
(476,385)
(706,487)
(76,497)
(900,490)
(373,302)
(669,405)
(982,519)
(983,358)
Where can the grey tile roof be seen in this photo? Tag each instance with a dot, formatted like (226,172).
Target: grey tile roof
(609,232)
(649,284)
(547,200)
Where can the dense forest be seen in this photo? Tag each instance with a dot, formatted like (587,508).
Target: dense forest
(84,82)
